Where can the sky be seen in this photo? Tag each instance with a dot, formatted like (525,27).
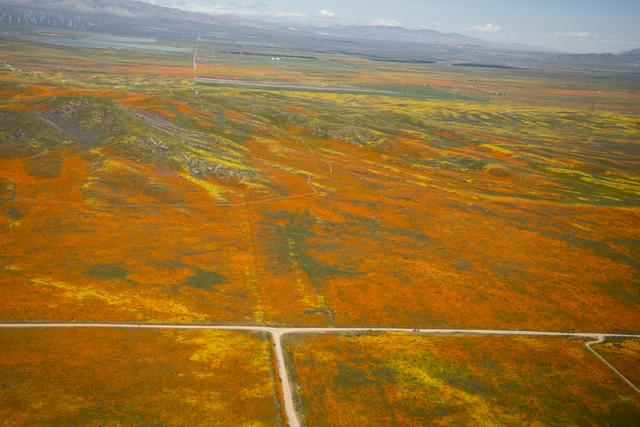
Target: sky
(567,25)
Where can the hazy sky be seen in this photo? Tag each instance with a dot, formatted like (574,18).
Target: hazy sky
(570,25)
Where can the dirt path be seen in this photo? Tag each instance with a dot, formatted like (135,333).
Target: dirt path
(278,333)
(287,393)
(601,339)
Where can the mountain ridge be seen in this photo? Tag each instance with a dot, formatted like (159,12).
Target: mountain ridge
(142,10)
(139,10)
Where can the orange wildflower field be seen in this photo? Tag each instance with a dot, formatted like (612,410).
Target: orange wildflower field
(201,186)
(129,194)
(133,377)
(624,354)
(398,379)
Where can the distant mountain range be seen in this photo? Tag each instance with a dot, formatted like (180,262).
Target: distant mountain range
(122,8)
(384,42)
(401,34)
(630,56)
(398,34)
(140,10)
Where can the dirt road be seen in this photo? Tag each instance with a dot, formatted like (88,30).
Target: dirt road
(278,333)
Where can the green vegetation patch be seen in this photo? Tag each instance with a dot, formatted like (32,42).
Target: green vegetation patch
(456,163)
(292,247)
(25,133)
(418,92)
(107,272)
(14,213)
(206,280)
(87,120)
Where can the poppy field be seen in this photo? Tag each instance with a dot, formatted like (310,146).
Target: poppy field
(200,185)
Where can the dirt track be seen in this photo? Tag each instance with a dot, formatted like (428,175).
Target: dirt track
(278,333)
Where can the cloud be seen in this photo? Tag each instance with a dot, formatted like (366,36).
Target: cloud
(577,35)
(247,5)
(324,13)
(381,22)
(487,28)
